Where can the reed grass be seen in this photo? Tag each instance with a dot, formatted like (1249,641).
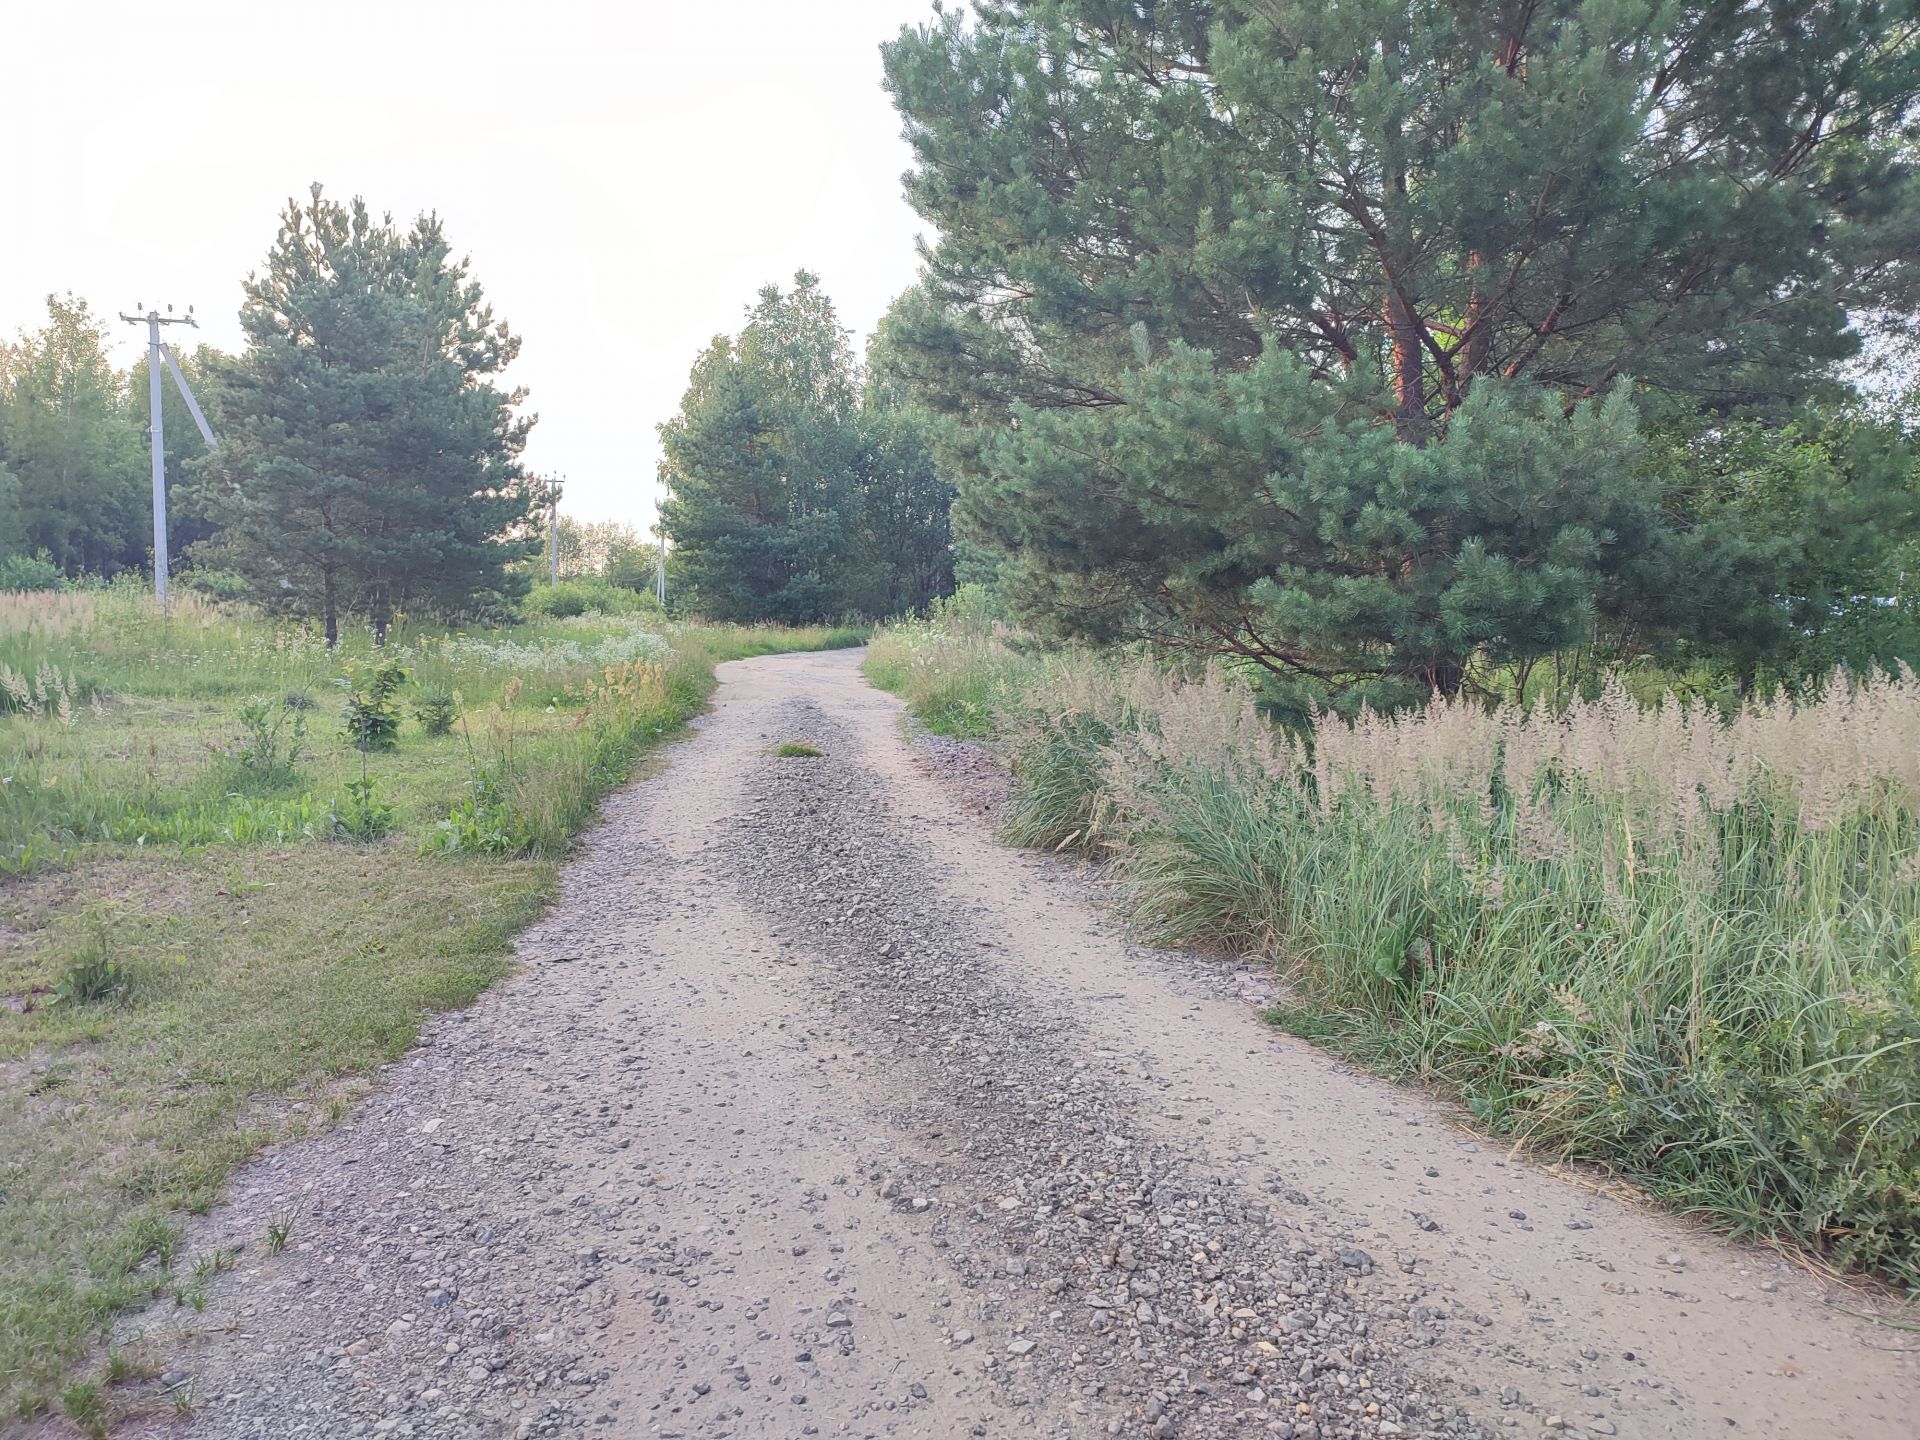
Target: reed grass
(1680,943)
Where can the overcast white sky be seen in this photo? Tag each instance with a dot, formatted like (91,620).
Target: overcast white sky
(625,176)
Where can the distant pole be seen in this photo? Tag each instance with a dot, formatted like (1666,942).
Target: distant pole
(157,355)
(553,533)
(156,433)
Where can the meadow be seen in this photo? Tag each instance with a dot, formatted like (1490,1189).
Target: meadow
(239,870)
(1677,940)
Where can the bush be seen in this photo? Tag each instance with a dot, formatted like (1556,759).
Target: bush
(30,572)
(217,584)
(436,709)
(371,718)
(268,754)
(589,595)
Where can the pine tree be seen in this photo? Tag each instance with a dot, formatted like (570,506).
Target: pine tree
(367,461)
(1303,331)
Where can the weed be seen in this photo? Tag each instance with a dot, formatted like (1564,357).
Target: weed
(94,974)
(798,750)
(360,814)
(270,751)
(215,1261)
(279,1230)
(1662,938)
(85,1406)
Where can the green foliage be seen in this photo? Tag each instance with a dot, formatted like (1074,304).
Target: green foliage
(71,448)
(371,717)
(369,460)
(1302,334)
(436,708)
(792,497)
(797,750)
(1826,510)
(30,572)
(586,595)
(360,814)
(94,974)
(269,754)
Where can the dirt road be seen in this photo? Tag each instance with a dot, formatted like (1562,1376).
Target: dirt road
(813,1111)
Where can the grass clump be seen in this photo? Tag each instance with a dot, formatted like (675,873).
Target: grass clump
(1681,943)
(797,750)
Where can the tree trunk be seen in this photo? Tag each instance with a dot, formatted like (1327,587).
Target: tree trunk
(1410,407)
(1444,677)
(331,612)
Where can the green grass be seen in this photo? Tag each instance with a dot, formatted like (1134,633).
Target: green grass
(1679,946)
(798,750)
(196,958)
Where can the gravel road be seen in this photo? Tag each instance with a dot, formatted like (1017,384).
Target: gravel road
(813,1111)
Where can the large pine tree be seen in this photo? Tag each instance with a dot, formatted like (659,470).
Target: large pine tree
(1298,329)
(369,461)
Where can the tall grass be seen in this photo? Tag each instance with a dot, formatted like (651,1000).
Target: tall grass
(119,722)
(1683,944)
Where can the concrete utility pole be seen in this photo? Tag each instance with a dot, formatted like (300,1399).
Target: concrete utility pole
(157,355)
(553,532)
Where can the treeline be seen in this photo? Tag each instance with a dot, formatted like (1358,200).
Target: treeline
(800,487)
(368,462)
(74,468)
(1392,350)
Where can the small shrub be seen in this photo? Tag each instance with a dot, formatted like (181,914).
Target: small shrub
(371,718)
(361,814)
(436,709)
(217,584)
(270,751)
(585,596)
(30,572)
